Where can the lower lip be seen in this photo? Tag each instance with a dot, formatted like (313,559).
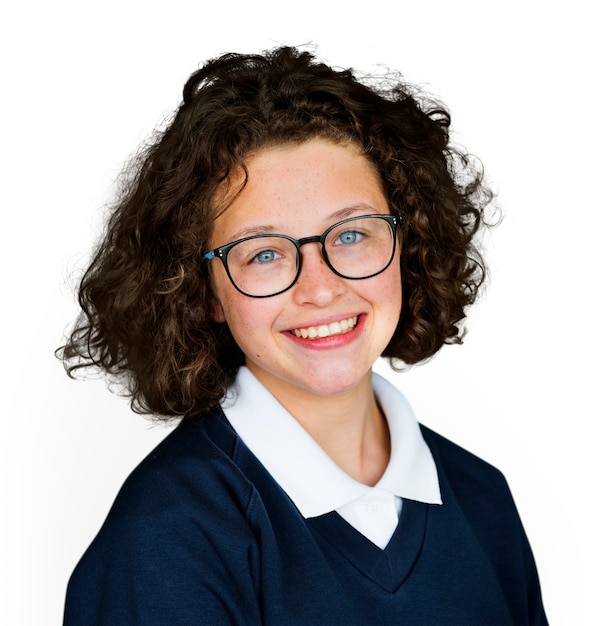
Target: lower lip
(333,341)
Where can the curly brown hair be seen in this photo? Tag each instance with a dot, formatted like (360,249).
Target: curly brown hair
(146,297)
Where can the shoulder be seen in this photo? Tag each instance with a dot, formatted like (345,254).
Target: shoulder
(479,488)
(189,473)
(189,492)
(180,535)
(462,466)
(477,492)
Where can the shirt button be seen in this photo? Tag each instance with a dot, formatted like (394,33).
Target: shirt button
(374,508)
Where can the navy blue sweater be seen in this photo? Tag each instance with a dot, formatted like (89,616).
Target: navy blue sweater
(201,534)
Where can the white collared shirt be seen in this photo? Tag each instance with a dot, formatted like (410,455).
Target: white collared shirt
(312,479)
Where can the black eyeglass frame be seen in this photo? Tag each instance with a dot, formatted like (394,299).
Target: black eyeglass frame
(223,251)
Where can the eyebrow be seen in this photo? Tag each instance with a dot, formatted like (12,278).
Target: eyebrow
(336,216)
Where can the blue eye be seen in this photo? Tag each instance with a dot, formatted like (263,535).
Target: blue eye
(266,256)
(349,237)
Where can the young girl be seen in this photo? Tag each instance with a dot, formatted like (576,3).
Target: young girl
(290,226)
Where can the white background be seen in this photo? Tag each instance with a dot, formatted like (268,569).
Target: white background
(81,87)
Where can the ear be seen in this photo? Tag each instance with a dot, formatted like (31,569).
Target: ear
(216,311)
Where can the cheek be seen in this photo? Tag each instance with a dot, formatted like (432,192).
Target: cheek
(389,295)
(390,289)
(250,320)
(227,300)
(251,332)
(398,290)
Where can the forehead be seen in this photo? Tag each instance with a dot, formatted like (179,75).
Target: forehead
(298,189)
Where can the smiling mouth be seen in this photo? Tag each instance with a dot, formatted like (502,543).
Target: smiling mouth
(326,330)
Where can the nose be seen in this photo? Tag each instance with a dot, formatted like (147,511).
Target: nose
(317,283)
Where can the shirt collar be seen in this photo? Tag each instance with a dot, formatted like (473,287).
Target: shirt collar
(307,474)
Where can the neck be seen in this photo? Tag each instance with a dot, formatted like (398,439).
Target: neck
(348,426)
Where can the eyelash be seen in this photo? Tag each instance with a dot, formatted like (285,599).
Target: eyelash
(255,258)
(358,236)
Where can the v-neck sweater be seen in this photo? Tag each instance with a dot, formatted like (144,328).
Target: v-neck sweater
(201,533)
(312,480)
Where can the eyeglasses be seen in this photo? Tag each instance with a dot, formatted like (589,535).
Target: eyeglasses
(261,266)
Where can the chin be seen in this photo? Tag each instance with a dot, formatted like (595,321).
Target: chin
(325,381)
(334,386)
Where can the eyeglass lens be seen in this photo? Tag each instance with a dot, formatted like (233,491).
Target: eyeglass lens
(267,265)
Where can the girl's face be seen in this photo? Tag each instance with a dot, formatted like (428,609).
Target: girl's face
(300,191)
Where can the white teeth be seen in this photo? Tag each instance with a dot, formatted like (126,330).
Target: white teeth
(326,330)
